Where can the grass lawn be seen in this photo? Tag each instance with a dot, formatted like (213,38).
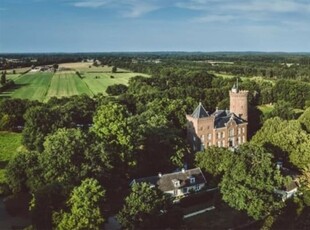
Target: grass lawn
(256,79)
(9,142)
(31,86)
(103,80)
(222,217)
(66,83)
(266,109)
(12,76)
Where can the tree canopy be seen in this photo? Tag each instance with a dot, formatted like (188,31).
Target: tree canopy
(250,181)
(86,204)
(142,207)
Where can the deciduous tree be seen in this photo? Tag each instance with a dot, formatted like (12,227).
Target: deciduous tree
(86,203)
(142,207)
(250,182)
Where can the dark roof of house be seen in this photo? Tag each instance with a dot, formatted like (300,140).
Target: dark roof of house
(222,117)
(200,112)
(165,181)
(291,186)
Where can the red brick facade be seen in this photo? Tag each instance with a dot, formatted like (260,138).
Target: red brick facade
(223,128)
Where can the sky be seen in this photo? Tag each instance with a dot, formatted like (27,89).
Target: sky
(154,25)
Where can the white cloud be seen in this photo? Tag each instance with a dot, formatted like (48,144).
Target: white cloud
(215,18)
(247,5)
(91,3)
(127,8)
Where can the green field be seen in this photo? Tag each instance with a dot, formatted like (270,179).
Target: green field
(9,142)
(265,109)
(65,82)
(33,86)
(256,79)
(98,82)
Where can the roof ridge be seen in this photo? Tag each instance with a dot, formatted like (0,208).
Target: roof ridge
(200,112)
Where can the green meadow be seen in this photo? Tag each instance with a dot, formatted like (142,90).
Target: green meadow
(9,143)
(65,82)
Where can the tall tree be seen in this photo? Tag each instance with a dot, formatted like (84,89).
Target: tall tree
(305,119)
(3,78)
(142,207)
(86,204)
(214,160)
(112,127)
(24,173)
(70,156)
(250,182)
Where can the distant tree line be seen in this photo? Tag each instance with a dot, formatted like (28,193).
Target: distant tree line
(82,147)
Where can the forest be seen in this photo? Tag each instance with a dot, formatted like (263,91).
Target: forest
(80,153)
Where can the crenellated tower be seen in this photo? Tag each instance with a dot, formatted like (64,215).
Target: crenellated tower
(239,102)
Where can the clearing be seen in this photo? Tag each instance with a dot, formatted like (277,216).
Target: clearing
(9,143)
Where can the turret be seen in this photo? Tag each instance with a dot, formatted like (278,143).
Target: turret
(239,102)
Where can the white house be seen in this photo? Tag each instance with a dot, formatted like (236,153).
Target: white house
(288,191)
(177,184)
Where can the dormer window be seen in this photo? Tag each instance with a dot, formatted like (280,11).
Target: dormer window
(176,183)
(192,180)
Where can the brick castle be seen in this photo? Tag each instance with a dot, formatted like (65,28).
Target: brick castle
(223,128)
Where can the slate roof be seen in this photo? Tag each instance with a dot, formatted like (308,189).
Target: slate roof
(164,182)
(291,186)
(223,116)
(200,112)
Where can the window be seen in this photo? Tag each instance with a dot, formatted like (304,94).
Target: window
(243,139)
(176,183)
(202,138)
(243,130)
(223,134)
(218,135)
(202,147)
(219,143)
(175,192)
(239,130)
(192,180)
(209,143)
(223,143)
(184,190)
(231,132)
(209,136)
(197,187)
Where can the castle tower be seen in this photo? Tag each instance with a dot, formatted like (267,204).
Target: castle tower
(239,102)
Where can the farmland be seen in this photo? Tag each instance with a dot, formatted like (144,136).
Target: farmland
(9,142)
(65,82)
(31,86)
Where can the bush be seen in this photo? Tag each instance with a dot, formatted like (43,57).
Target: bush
(116,89)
